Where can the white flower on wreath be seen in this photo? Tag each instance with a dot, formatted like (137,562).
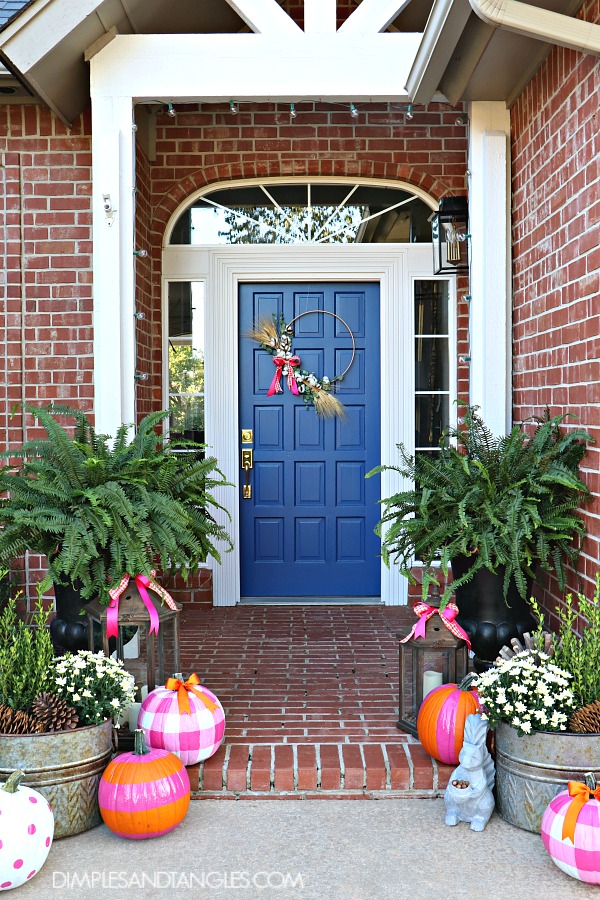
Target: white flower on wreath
(312,380)
(326,380)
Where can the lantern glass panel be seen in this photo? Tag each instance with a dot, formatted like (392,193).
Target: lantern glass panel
(449,230)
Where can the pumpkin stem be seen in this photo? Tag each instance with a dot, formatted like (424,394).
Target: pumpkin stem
(590,780)
(466,683)
(13,782)
(139,742)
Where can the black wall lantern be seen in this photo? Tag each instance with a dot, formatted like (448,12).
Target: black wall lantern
(449,233)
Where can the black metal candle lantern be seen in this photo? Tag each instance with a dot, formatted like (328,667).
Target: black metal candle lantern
(449,234)
(439,650)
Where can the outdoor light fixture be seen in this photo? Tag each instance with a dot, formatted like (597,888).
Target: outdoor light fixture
(293,112)
(171,110)
(449,234)
(233,107)
(427,662)
(141,253)
(353,111)
(409,112)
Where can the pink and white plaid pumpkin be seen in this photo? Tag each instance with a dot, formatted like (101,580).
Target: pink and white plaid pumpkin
(192,736)
(574,844)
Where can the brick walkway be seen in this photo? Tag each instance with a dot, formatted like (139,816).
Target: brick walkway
(311,702)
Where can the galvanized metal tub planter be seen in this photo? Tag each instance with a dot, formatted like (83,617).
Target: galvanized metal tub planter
(531,770)
(64,766)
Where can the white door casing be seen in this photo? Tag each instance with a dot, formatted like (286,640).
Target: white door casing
(393,266)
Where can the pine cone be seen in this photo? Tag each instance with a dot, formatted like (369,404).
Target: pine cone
(54,713)
(15,721)
(587,719)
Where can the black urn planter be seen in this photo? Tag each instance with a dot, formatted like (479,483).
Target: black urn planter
(68,629)
(490,620)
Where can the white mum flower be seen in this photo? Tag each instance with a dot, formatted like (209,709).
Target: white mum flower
(116,703)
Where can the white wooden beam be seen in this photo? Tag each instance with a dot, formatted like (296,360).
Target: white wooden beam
(264,16)
(319,16)
(215,67)
(373,16)
(490,285)
(113,284)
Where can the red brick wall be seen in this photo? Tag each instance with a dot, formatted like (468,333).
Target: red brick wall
(556,234)
(46,258)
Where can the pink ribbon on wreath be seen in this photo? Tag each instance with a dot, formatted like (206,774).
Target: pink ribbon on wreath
(280,362)
(143,583)
(447,615)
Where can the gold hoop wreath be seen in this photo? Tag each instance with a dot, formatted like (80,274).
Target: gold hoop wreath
(276,338)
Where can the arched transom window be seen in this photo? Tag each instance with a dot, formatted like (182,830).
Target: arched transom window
(305,213)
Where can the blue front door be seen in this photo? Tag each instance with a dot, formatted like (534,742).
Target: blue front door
(307,529)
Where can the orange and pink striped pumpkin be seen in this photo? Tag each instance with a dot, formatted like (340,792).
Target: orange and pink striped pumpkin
(144,793)
(441,719)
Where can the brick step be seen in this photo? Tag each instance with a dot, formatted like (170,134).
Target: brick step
(364,770)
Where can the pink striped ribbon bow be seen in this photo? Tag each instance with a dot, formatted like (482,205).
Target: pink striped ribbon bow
(447,615)
(143,583)
(280,362)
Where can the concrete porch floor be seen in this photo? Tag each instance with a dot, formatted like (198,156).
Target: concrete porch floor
(311,702)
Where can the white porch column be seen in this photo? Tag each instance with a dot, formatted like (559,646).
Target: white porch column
(491,277)
(113,264)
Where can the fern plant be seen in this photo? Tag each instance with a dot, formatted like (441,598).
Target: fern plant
(506,501)
(98,508)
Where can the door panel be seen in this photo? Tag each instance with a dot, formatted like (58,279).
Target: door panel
(307,530)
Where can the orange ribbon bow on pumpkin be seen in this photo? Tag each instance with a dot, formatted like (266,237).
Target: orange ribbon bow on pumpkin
(182,687)
(581,793)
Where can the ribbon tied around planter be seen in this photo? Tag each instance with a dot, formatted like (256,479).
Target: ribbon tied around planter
(284,362)
(581,793)
(143,583)
(182,688)
(424,612)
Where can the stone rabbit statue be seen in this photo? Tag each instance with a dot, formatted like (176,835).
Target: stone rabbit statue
(469,797)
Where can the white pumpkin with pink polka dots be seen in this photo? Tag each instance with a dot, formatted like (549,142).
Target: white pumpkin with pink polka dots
(26,832)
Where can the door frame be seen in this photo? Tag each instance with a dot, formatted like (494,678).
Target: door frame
(394,266)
